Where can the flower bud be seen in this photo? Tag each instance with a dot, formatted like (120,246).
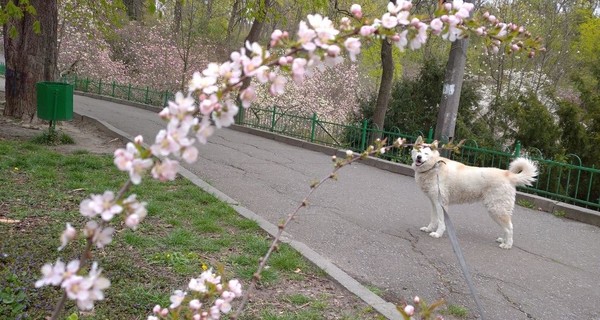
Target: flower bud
(356,11)
(409,310)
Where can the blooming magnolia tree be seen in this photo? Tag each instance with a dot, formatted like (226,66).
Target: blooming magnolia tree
(333,92)
(211,103)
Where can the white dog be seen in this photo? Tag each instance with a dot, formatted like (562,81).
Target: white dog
(459,183)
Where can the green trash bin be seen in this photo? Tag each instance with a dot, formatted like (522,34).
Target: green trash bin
(54,101)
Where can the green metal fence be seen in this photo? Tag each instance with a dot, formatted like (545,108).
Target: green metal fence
(127,92)
(566,182)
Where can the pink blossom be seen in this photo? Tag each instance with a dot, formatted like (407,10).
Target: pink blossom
(208,104)
(306,36)
(103,205)
(436,25)
(195,304)
(277,84)
(215,313)
(345,24)
(236,287)
(367,31)
(225,116)
(394,8)
(205,84)
(401,41)
(353,47)
(403,17)
(68,234)
(223,305)
(356,10)
(190,154)
(88,289)
(165,170)
(276,37)
(54,274)
(248,95)
(409,310)
(98,235)
(324,29)
(139,167)
(124,157)
(177,298)
(231,72)
(389,21)
(204,130)
(136,211)
(421,36)
(298,70)
(262,74)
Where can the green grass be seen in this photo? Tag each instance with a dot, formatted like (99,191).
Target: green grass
(185,230)
(53,137)
(559,213)
(526,203)
(457,311)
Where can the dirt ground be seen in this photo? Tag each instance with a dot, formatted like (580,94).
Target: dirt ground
(85,134)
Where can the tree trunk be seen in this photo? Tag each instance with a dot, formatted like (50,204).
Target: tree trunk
(233,18)
(455,71)
(135,9)
(177,16)
(30,57)
(253,36)
(385,88)
(453,80)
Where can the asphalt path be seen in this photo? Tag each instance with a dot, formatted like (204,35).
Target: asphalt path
(367,223)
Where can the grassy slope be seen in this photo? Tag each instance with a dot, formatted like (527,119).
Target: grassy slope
(186,228)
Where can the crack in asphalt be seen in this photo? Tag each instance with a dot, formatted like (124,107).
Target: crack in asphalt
(414,240)
(514,304)
(550,259)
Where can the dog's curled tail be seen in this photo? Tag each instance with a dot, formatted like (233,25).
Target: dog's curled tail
(524,171)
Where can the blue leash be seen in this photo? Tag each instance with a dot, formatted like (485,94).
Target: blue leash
(457,249)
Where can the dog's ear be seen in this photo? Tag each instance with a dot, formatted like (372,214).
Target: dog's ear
(434,145)
(419,141)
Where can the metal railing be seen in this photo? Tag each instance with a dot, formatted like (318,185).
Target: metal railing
(127,92)
(567,182)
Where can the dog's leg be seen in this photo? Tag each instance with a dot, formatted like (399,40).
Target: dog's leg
(441,224)
(504,220)
(433,220)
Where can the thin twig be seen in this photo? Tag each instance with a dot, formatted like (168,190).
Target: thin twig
(290,217)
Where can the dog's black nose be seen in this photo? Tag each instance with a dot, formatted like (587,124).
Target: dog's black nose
(419,158)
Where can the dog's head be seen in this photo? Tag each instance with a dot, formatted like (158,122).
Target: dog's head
(424,155)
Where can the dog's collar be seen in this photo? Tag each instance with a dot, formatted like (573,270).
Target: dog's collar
(434,166)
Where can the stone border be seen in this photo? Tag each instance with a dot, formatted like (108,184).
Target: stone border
(387,309)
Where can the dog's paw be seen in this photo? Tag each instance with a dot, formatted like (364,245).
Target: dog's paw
(505,246)
(435,235)
(500,240)
(426,229)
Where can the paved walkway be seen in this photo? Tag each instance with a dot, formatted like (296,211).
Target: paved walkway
(367,224)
